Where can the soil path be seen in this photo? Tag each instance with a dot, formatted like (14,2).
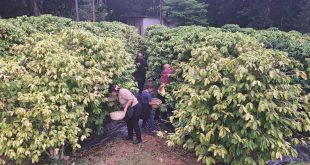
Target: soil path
(152,151)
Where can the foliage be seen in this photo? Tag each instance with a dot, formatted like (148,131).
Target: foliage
(46,23)
(85,10)
(54,78)
(9,34)
(238,110)
(231,28)
(186,12)
(294,43)
(164,45)
(236,100)
(129,35)
(120,8)
(284,14)
(303,21)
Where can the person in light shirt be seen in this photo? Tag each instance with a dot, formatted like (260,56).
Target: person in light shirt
(128,100)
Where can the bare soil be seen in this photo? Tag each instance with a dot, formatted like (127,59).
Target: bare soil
(152,151)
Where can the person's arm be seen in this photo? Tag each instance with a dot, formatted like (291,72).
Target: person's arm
(162,85)
(149,99)
(127,95)
(129,102)
(112,98)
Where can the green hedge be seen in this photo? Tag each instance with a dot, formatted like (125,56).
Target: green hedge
(297,45)
(54,78)
(236,100)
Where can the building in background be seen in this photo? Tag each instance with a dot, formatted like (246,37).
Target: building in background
(142,22)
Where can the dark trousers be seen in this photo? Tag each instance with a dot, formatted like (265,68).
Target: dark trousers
(146,110)
(141,83)
(133,123)
(164,115)
(148,115)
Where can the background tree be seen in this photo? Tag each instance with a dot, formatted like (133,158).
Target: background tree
(186,12)
(76,4)
(303,22)
(92,10)
(35,7)
(118,8)
(260,14)
(221,12)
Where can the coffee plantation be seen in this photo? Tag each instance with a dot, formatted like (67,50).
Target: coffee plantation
(54,78)
(236,99)
(240,95)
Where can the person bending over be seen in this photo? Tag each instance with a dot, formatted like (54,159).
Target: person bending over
(128,100)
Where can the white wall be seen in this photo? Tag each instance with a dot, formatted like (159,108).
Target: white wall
(147,22)
(137,22)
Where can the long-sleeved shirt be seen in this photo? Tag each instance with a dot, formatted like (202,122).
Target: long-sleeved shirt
(164,77)
(141,66)
(146,97)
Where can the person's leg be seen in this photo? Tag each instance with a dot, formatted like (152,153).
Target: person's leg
(145,114)
(135,123)
(170,111)
(163,99)
(157,114)
(152,122)
(164,115)
(144,120)
(141,85)
(130,130)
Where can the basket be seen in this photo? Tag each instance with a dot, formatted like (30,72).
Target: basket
(117,115)
(162,91)
(156,103)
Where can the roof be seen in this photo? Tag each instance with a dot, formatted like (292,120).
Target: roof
(138,16)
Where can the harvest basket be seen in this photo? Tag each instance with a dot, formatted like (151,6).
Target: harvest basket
(156,103)
(117,115)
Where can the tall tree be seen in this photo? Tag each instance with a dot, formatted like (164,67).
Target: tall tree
(35,7)
(283,13)
(258,13)
(93,11)
(221,12)
(132,7)
(63,8)
(77,10)
(303,22)
(186,12)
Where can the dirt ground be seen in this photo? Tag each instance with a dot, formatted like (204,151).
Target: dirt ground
(152,151)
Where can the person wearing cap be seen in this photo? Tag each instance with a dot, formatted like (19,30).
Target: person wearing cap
(128,100)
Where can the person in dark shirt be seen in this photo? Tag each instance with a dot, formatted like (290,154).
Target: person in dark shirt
(140,74)
(147,113)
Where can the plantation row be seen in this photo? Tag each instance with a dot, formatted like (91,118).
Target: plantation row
(240,95)
(54,76)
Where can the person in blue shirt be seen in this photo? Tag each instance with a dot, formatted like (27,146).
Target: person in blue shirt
(147,112)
